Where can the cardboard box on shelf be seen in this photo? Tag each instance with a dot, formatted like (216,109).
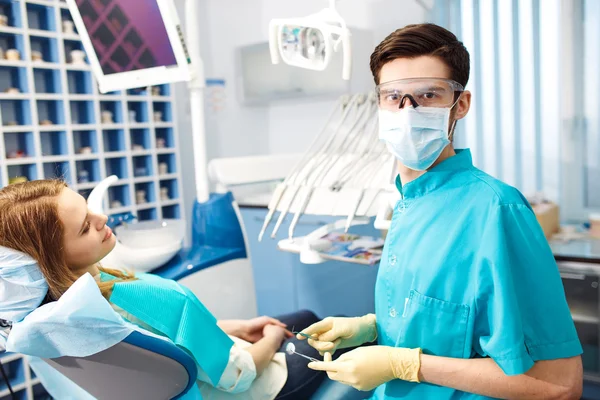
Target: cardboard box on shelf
(548,215)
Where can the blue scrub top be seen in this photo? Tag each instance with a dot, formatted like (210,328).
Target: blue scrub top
(467,272)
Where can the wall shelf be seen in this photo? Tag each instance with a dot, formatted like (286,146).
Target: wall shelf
(53,126)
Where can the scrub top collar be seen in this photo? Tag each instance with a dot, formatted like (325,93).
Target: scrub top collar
(437,176)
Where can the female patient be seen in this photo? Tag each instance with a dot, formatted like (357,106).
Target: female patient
(51,223)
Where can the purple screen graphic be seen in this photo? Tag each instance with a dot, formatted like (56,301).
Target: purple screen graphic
(127,35)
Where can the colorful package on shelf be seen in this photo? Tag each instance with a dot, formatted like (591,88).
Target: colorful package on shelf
(353,248)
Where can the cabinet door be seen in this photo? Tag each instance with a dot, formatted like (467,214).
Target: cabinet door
(581,290)
(283,284)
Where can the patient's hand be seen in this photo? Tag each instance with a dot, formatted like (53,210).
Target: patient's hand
(253,329)
(275,332)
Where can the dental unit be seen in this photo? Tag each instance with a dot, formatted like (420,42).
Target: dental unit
(346,172)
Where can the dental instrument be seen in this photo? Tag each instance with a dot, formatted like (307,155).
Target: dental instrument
(281,188)
(310,41)
(321,170)
(303,334)
(346,106)
(347,173)
(290,348)
(347,154)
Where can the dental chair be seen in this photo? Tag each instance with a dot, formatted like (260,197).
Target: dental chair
(140,367)
(145,367)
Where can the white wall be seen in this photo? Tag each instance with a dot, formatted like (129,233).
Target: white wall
(285,127)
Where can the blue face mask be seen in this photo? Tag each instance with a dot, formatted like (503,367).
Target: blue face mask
(415,136)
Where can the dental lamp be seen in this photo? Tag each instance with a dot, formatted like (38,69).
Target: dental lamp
(309,42)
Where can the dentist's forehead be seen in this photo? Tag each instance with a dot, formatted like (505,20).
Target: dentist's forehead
(418,67)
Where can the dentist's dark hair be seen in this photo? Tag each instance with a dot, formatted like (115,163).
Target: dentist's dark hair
(29,223)
(423,40)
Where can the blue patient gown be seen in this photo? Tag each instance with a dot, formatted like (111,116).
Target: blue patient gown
(467,272)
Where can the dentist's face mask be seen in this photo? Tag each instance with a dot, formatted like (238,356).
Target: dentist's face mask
(414,115)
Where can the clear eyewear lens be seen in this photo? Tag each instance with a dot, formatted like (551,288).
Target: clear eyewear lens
(426,93)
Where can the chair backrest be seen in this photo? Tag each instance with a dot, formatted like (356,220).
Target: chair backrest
(140,367)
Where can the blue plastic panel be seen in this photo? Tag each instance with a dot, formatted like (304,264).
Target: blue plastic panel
(138,92)
(27,170)
(114,140)
(140,137)
(41,17)
(169,159)
(284,284)
(59,170)
(19,142)
(142,166)
(141,111)
(148,214)
(165,109)
(167,135)
(46,46)
(117,166)
(171,184)
(12,9)
(52,110)
(71,45)
(91,167)
(47,80)
(65,15)
(147,187)
(18,111)
(12,41)
(82,112)
(119,193)
(54,143)
(115,108)
(171,211)
(13,77)
(80,82)
(85,139)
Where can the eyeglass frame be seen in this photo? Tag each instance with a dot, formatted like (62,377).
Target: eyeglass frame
(457,88)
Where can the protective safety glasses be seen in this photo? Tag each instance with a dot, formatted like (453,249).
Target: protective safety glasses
(424,92)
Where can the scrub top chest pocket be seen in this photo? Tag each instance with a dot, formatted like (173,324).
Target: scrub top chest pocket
(436,326)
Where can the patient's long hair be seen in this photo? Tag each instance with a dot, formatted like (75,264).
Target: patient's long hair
(29,223)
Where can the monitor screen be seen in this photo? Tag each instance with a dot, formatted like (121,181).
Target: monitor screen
(122,40)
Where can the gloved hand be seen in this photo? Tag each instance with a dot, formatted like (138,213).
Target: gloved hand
(367,367)
(334,333)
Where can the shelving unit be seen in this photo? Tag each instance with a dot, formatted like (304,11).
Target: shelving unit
(56,111)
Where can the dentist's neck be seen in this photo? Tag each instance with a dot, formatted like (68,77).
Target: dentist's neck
(409,175)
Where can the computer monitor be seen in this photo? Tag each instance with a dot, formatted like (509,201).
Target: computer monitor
(131,43)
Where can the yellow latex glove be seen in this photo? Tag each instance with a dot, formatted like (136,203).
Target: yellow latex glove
(334,333)
(367,367)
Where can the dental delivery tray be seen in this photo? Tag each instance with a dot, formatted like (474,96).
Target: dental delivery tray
(335,246)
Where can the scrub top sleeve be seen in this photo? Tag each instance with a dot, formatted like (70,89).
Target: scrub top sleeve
(521,313)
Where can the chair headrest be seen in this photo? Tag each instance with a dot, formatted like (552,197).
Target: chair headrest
(78,324)
(22,285)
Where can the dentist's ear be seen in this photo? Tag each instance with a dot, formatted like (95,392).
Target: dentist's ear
(463,105)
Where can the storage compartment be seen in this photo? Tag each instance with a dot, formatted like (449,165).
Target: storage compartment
(114,140)
(54,143)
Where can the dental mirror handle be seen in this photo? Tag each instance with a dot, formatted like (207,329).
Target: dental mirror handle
(307,357)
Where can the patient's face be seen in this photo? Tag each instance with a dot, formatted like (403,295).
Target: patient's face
(87,238)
